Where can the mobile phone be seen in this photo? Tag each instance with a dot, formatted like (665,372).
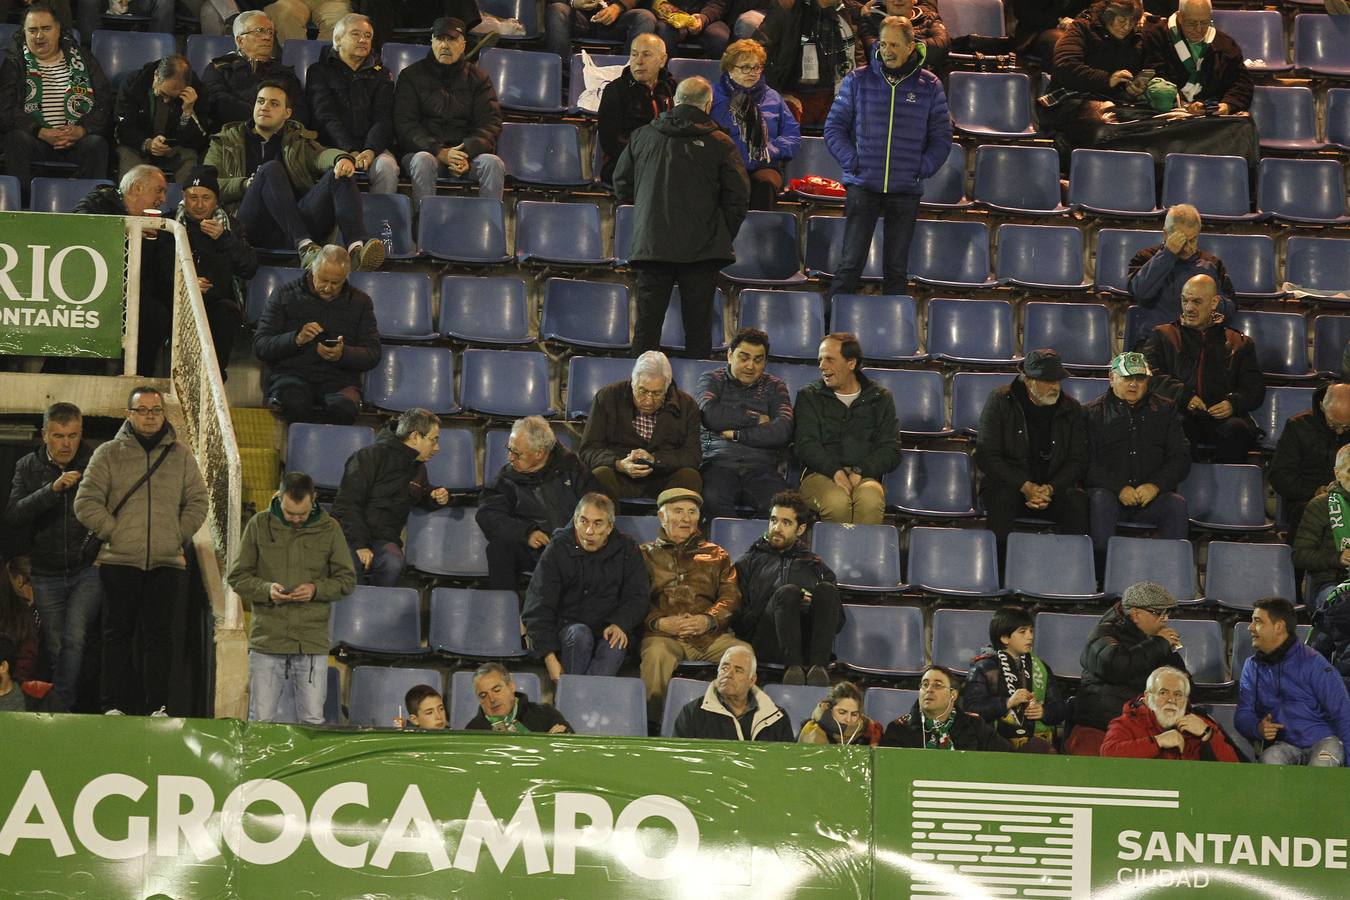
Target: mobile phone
(1147,75)
(331,342)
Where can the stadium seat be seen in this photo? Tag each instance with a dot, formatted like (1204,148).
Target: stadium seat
(397,57)
(396,209)
(475,623)
(883,705)
(1206,658)
(301,54)
(1083,389)
(931,484)
(402,302)
(542,154)
(959,634)
(262,286)
(1281,341)
(865,558)
(766,250)
(379,620)
(1225,497)
(1249,260)
(682,67)
(1215,185)
(954,562)
(640,528)
(990,104)
(1021,181)
(1330,335)
(375,696)
(576,81)
(479,309)
(1260,34)
(1286,118)
(1115,248)
(202,48)
(1169,563)
(1237,575)
(507,383)
(793,320)
(526,81)
(891,324)
(565,234)
(1307,191)
(797,701)
(881,640)
(586,375)
(1223,714)
(623,233)
(462,705)
(1060,639)
(920,405)
(679,691)
(1319,264)
(1054,567)
(1281,402)
(825,248)
(1113,183)
(123,52)
(687,372)
(1322,45)
(736,535)
(463,229)
(587,314)
(59,195)
(455,465)
(413,376)
(1041,257)
(321,451)
(974,332)
(795,376)
(970,391)
(1337,117)
(1081,332)
(446,542)
(946,188)
(813,158)
(523,11)
(951,254)
(9,194)
(603,704)
(1242,646)
(672,329)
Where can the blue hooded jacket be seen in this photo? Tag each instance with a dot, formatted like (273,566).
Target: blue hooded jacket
(1300,690)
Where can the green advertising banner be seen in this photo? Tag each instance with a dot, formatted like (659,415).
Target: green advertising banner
(61,284)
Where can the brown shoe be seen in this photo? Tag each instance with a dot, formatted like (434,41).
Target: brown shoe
(371,256)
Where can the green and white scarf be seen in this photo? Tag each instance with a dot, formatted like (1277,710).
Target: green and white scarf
(1030,667)
(1336,515)
(1191,55)
(508,722)
(79,97)
(937,735)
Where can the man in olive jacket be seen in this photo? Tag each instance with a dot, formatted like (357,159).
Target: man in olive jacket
(292,565)
(141,564)
(690,192)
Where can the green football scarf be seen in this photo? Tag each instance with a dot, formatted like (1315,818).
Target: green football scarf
(79,99)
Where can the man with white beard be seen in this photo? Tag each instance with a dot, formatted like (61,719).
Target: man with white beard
(1157,724)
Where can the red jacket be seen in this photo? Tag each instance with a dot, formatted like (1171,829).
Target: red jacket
(1131,734)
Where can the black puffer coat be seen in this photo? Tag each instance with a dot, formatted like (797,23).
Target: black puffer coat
(380,485)
(352,108)
(44,519)
(1116,664)
(439,106)
(517,504)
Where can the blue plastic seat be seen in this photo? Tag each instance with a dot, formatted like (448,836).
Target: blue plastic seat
(474,623)
(813,158)
(397,57)
(736,535)
(954,562)
(1169,563)
(413,376)
(1225,497)
(1281,402)
(396,209)
(1041,257)
(795,376)
(1115,248)
(543,154)
(990,104)
(919,399)
(864,558)
(951,254)
(402,302)
(1281,341)
(381,620)
(946,188)
(588,314)
(975,332)
(1320,264)
(263,285)
(1060,639)
(566,234)
(576,80)
(890,322)
(766,250)
(480,309)
(640,528)
(123,52)
(1020,181)
(1206,656)
(1330,335)
(679,691)
(1286,118)
(883,705)
(375,696)
(931,484)
(797,701)
(202,48)
(462,705)
(881,640)
(623,234)
(301,54)
(10,200)
(603,704)
(523,11)
(1308,191)
(321,451)
(586,375)
(973,17)
(793,320)
(1113,183)
(1249,260)
(446,542)
(1055,567)
(509,383)
(463,229)
(1260,34)
(825,248)
(455,465)
(672,328)
(1336,117)
(970,392)
(59,195)
(1085,389)
(1215,185)
(1237,575)
(526,81)
(958,635)
(1322,44)
(1081,332)
(682,67)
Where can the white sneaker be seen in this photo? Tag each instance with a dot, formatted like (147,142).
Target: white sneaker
(160,713)
(114,712)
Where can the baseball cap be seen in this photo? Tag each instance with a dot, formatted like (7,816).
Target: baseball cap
(1044,365)
(448,26)
(1130,364)
(1148,596)
(670,495)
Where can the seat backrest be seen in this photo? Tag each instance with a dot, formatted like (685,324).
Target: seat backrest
(1330,335)
(918,394)
(1085,389)
(1225,494)
(1284,113)
(679,691)
(959,634)
(202,48)
(931,482)
(1215,185)
(1320,263)
(1249,259)
(1170,563)
(825,248)
(122,52)
(301,54)
(1321,43)
(998,102)
(475,623)
(1281,340)
(890,322)
(972,329)
(1336,117)
(375,696)
(396,210)
(793,320)
(950,251)
(523,11)
(447,542)
(565,232)
(524,80)
(413,376)
(1115,248)
(586,375)
(10,199)
(1060,639)
(967,17)
(797,701)
(1041,254)
(882,639)
(1050,564)
(640,528)
(1203,650)
(1259,32)
(736,535)
(953,559)
(1237,575)
(402,302)
(672,328)
(795,375)
(883,705)
(321,451)
(510,383)
(378,619)
(585,313)
(482,309)
(603,704)
(970,391)
(1282,401)
(576,80)
(1023,178)
(1112,179)
(465,229)
(1081,332)
(867,556)
(545,153)
(947,186)
(766,248)
(59,195)
(455,466)
(462,705)
(1303,189)
(263,285)
(397,57)
(813,158)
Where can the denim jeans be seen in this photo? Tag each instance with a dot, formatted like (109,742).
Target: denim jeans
(562,23)
(862,208)
(384,568)
(383,173)
(486,169)
(273,217)
(724,485)
(1329,751)
(1167,513)
(268,676)
(69,606)
(584,654)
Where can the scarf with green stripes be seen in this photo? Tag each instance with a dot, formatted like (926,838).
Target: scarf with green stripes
(80,97)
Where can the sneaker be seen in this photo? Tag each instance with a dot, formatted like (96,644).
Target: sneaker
(370,257)
(161,713)
(794,675)
(114,712)
(818,677)
(307,254)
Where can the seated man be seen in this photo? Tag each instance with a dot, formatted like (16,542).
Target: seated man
(588,594)
(641,438)
(287,188)
(620,21)
(17,695)
(504,709)
(1322,541)
(733,708)
(1289,696)
(315,337)
(747,427)
(934,722)
(1158,726)
(1130,641)
(380,485)
(812,45)
(1305,455)
(352,98)
(700,22)
(847,437)
(447,119)
(1032,450)
(1203,62)
(923,17)
(294,16)
(1011,688)
(157,118)
(89,14)
(425,709)
(386,15)
(790,610)
(232,79)
(532,496)
(694,595)
(1157,274)
(643,90)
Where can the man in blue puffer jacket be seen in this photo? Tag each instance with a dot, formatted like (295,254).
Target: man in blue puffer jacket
(889,130)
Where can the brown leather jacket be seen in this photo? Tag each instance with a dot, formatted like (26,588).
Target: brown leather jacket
(695,577)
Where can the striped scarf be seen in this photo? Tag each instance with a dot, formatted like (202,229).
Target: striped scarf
(79,96)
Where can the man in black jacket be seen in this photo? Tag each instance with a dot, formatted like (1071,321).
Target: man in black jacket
(157,120)
(66,587)
(643,90)
(688,185)
(790,609)
(386,15)
(1207,69)
(1210,371)
(504,709)
(1158,274)
(232,79)
(936,724)
(532,496)
(1305,457)
(380,485)
(733,708)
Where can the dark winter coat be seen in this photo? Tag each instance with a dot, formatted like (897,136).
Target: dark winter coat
(352,108)
(1087,55)
(386,15)
(44,519)
(928,30)
(728,405)
(986,691)
(1134,445)
(1116,664)
(830,436)
(1130,735)
(349,314)
(232,81)
(968,732)
(625,106)
(1315,550)
(537,717)
(438,106)
(1305,457)
(610,434)
(1223,76)
(1157,277)
(708,718)
(136,116)
(781,34)
(517,504)
(305,159)
(1002,448)
(1216,363)
(762,569)
(1298,688)
(14,89)
(380,485)
(220,260)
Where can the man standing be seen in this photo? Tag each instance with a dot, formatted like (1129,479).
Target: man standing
(588,594)
(812,46)
(734,708)
(1157,725)
(1157,274)
(884,166)
(790,609)
(292,565)
(690,193)
(232,79)
(143,497)
(643,91)
(847,437)
(380,485)
(935,723)
(1305,455)
(1322,541)
(157,119)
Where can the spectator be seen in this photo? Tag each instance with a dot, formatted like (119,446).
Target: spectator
(926,21)
(934,723)
(1157,725)
(1301,702)
(588,594)
(20,621)
(692,22)
(232,79)
(315,337)
(55,102)
(839,719)
(60,8)
(143,496)
(66,590)
(884,170)
(758,121)
(1158,274)
(386,15)
(157,119)
(446,118)
(425,709)
(18,694)
(291,566)
(733,708)
(504,709)
(643,91)
(619,20)
(790,610)
(641,437)
(1098,61)
(847,437)
(1032,449)
(1322,541)
(1204,63)
(294,16)
(352,96)
(1130,641)
(223,258)
(694,595)
(89,14)
(1210,371)
(812,45)
(213,16)
(532,496)
(689,191)
(747,427)
(1138,456)
(1305,455)
(1040,25)
(1011,688)
(286,187)
(380,485)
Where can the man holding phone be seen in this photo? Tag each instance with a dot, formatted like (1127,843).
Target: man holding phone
(157,119)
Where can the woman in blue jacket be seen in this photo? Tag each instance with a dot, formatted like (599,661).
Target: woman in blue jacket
(757,119)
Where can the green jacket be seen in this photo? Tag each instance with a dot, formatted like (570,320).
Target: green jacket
(830,436)
(271,551)
(306,160)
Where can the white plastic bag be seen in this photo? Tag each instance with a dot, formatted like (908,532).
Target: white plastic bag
(595,78)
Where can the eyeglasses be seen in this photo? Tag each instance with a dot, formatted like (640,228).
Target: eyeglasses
(147,410)
(259,32)
(513,453)
(750,69)
(654,395)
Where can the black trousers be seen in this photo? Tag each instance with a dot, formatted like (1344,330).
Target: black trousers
(794,635)
(138,605)
(506,561)
(1003,503)
(698,284)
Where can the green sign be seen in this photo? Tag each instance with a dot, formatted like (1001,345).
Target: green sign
(61,284)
